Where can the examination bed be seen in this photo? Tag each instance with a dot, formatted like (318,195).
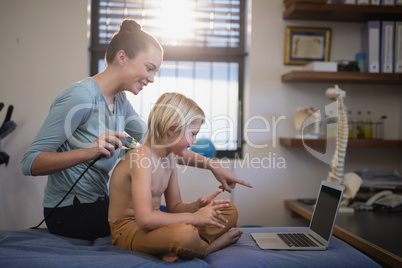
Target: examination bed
(39,248)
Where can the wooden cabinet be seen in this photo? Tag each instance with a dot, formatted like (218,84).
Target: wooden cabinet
(345,13)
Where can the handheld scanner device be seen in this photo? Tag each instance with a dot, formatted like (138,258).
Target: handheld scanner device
(128,142)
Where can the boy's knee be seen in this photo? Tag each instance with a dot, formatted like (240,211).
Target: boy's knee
(184,235)
(186,241)
(231,214)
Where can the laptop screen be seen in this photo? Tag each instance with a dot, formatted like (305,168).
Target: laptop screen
(325,211)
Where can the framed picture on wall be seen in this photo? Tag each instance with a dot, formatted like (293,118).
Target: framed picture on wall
(304,45)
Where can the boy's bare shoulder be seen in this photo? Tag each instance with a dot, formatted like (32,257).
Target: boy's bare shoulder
(136,157)
(140,151)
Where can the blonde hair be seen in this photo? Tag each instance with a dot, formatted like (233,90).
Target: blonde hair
(172,111)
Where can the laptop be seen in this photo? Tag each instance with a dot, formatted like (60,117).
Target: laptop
(321,225)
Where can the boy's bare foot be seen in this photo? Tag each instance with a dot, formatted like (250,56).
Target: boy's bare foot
(225,240)
(169,257)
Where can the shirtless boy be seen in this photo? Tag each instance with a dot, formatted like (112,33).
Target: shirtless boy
(147,172)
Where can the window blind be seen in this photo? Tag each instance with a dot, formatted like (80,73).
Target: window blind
(204,54)
(208,23)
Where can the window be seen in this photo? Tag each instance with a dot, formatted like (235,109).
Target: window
(204,44)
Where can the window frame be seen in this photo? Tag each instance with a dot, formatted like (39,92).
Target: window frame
(188,53)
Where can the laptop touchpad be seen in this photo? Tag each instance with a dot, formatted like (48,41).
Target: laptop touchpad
(269,240)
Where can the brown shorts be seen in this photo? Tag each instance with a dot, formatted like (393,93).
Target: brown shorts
(182,239)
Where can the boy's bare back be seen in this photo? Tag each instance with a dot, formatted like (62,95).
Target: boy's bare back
(139,163)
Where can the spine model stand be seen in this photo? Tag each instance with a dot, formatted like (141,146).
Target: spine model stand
(338,160)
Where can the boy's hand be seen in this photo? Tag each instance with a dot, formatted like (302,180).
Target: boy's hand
(203,201)
(210,215)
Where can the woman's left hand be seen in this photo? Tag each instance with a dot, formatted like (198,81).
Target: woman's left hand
(226,177)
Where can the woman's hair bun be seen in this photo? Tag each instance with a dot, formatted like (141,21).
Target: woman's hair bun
(130,25)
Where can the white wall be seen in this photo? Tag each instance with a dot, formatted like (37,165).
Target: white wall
(44,49)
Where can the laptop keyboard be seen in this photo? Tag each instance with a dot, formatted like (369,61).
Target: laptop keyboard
(297,240)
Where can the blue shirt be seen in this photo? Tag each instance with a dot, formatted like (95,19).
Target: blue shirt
(76,118)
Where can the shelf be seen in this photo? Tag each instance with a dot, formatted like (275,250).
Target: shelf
(342,77)
(295,142)
(344,13)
